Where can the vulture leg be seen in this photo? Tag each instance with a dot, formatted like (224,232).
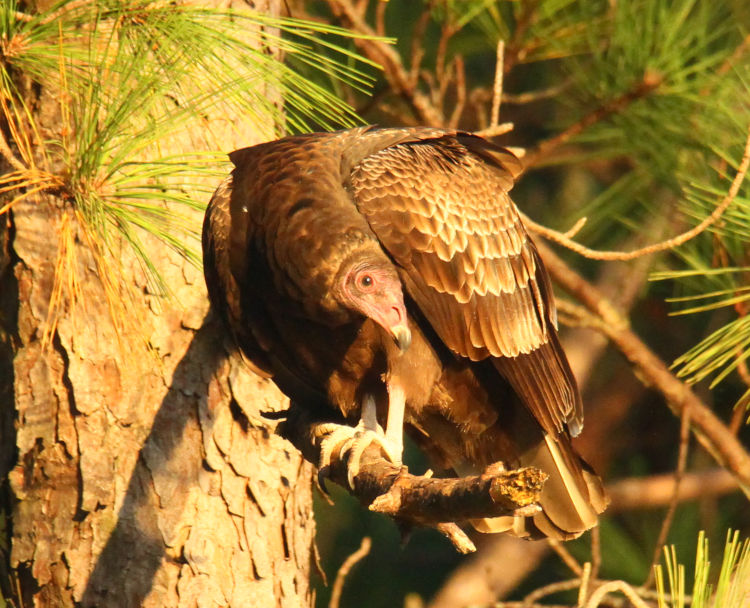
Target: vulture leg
(355,440)
(394,425)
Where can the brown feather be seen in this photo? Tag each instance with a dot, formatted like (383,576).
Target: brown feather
(485,376)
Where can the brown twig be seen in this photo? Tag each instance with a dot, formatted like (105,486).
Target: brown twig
(460,72)
(565,555)
(541,592)
(718,211)
(740,413)
(459,539)
(538,95)
(349,563)
(710,431)
(527,605)
(649,82)
(380,18)
(497,89)
(596,551)
(583,590)
(612,587)
(388,58)
(498,567)
(8,155)
(417,47)
(427,501)
(679,473)
(501,129)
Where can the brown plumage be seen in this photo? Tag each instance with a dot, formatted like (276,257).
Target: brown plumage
(323,252)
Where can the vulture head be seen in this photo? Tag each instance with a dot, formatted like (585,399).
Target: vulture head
(368,284)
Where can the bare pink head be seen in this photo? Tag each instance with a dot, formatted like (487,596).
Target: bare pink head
(373,289)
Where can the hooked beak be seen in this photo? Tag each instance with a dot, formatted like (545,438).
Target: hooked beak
(402,336)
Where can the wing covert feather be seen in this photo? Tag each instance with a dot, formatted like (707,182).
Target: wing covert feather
(441,209)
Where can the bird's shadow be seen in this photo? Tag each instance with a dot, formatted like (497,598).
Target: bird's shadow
(126,568)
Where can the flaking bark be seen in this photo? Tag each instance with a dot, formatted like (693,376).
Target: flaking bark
(143,473)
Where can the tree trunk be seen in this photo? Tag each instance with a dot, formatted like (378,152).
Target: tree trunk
(144,473)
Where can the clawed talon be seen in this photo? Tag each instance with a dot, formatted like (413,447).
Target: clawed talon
(355,440)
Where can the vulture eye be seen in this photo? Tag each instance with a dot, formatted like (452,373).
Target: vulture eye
(365,281)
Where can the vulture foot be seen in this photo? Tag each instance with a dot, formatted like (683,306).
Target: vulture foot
(355,440)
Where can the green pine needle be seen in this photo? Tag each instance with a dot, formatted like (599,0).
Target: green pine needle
(134,75)
(731,588)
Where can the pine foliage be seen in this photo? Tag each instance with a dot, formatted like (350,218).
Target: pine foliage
(129,77)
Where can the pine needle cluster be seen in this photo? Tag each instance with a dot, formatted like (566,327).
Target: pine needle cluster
(128,78)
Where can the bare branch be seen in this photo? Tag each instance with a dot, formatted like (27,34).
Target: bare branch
(460,72)
(379,18)
(499,566)
(8,155)
(348,564)
(497,91)
(650,81)
(541,592)
(460,541)
(612,587)
(506,127)
(710,431)
(657,490)
(417,48)
(583,590)
(421,500)
(564,240)
(679,473)
(388,58)
(538,95)
(570,561)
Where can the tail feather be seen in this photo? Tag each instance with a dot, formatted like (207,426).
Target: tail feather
(571,499)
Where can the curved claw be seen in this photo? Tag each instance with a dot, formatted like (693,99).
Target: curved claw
(355,440)
(358,446)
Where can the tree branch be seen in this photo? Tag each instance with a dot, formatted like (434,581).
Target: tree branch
(416,499)
(349,563)
(710,431)
(650,81)
(565,240)
(388,58)
(658,490)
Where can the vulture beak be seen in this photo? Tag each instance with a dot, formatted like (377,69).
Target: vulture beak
(402,336)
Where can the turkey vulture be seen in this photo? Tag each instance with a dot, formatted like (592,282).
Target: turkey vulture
(386,274)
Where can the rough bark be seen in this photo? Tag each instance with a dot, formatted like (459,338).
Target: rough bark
(144,473)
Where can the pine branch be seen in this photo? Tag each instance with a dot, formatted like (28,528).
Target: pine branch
(565,240)
(8,155)
(387,57)
(710,431)
(657,490)
(418,499)
(542,151)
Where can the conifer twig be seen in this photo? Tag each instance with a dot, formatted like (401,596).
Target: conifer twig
(563,238)
(649,82)
(8,155)
(596,551)
(565,555)
(551,588)
(349,563)
(679,474)
(388,58)
(497,91)
(612,587)
(710,431)
(656,490)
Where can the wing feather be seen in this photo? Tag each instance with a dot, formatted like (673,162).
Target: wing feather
(440,208)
